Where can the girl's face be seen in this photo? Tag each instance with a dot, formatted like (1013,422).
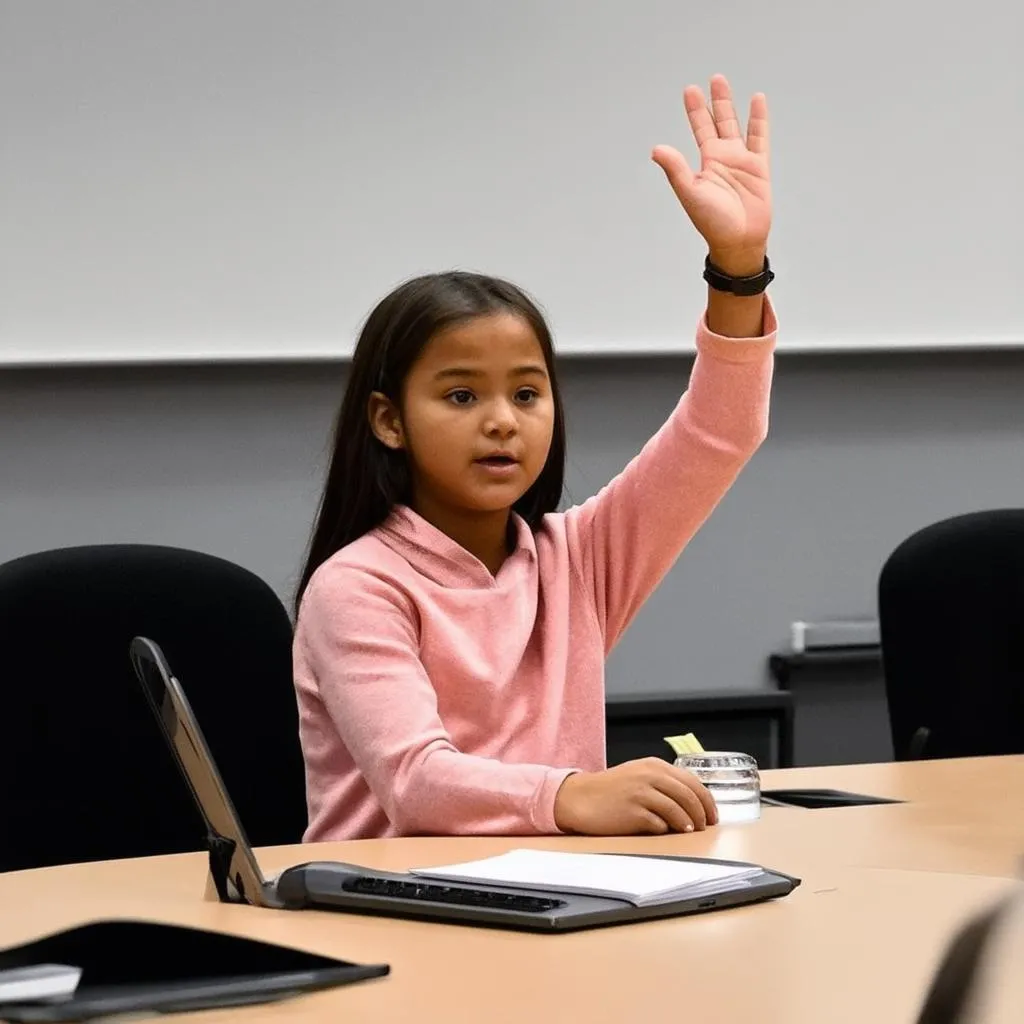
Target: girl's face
(477,417)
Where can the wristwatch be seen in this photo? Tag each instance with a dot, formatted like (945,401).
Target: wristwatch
(722,282)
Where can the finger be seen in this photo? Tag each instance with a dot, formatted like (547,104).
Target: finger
(667,808)
(701,123)
(677,789)
(652,824)
(757,125)
(701,793)
(726,123)
(676,169)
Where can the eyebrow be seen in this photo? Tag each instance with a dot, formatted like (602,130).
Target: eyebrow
(465,373)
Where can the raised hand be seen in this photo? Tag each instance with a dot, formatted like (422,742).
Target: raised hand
(729,199)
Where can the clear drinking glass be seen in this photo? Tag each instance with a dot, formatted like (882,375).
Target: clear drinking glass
(731,778)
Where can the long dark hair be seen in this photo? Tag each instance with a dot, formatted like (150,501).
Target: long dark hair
(366,479)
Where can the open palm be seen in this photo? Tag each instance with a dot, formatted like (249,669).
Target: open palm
(729,199)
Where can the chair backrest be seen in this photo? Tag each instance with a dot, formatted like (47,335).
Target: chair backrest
(86,774)
(951,613)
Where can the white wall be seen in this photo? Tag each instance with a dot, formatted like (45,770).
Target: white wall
(245,178)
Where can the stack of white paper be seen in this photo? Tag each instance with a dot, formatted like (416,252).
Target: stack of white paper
(642,881)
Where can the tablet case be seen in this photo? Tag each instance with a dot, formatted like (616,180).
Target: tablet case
(131,966)
(821,798)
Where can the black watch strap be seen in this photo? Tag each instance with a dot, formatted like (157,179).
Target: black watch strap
(722,282)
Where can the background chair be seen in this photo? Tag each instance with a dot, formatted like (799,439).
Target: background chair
(84,771)
(951,612)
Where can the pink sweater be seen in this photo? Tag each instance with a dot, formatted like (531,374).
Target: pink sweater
(437,699)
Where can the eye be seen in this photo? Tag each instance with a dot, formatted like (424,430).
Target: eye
(460,396)
(527,396)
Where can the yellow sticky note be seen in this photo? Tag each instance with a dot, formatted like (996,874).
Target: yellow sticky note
(688,744)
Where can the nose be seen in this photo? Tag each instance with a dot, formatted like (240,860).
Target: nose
(501,420)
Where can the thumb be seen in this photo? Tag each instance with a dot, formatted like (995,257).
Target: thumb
(676,169)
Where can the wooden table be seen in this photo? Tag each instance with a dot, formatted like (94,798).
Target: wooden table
(883,889)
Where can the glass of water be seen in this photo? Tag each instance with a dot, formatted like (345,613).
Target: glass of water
(731,778)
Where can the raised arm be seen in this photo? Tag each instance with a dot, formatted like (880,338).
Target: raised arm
(626,538)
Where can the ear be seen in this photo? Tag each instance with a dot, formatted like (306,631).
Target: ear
(385,421)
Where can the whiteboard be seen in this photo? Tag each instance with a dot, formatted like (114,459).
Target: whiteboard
(243,179)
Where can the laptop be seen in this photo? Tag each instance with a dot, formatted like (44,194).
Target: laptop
(352,888)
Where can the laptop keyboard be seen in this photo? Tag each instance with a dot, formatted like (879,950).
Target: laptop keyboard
(451,894)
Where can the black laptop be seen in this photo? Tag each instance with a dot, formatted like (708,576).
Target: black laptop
(330,885)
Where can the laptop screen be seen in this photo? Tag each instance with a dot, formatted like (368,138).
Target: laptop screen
(179,726)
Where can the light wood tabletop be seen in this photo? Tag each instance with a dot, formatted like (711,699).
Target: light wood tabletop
(883,889)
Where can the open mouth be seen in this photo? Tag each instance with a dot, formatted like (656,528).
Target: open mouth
(498,461)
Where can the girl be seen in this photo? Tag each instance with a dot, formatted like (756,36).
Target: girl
(451,625)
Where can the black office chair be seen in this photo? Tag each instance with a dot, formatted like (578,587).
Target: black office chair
(84,772)
(951,612)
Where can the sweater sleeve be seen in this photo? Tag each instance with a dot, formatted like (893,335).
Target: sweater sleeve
(361,637)
(624,540)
